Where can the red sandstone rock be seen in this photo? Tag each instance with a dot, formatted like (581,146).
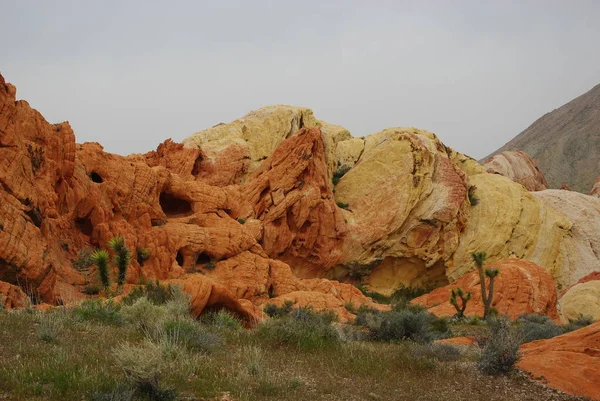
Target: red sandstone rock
(57,197)
(570,362)
(12,297)
(521,287)
(519,167)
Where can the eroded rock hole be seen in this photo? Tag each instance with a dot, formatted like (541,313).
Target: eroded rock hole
(97,178)
(197,166)
(173,206)
(179,258)
(84,224)
(202,258)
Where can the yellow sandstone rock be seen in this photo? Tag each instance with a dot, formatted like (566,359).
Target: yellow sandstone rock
(581,299)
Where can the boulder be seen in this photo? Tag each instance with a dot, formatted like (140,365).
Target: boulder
(521,287)
(582,299)
(12,297)
(569,363)
(519,167)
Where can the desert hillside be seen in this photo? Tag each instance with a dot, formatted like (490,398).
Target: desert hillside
(565,143)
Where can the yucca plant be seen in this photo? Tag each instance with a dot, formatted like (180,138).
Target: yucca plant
(122,257)
(100,258)
(460,309)
(479,259)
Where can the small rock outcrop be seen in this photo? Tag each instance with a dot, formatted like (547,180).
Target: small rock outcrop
(568,362)
(582,298)
(521,287)
(519,167)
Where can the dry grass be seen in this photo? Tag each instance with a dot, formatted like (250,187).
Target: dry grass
(88,359)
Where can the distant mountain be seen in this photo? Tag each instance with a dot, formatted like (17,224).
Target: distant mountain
(565,143)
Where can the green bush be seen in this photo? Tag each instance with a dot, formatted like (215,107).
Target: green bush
(192,335)
(94,310)
(155,292)
(121,392)
(576,324)
(221,319)
(143,254)
(343,205)
(339,173)
(403,325)
(273,310)
(501,350)
(302,328)
(536,327)
(144,314)
(241,220)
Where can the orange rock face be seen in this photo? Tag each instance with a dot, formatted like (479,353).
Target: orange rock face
(570,362)
(204,230)
(521,287)
(12,297)
(519,167)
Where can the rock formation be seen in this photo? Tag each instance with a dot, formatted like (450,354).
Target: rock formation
(568,362)
(58,198)
(270,208)
(582,298)
(521,287)
(565,142)
(519,167)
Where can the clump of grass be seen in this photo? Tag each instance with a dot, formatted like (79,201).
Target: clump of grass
(241,220)
(155,292)
(84,259)
(435,351)
(501,350)
(94,310)
(222,319)
(473,199)
(50,325)
(143,254)
(146,365)
(192,335)
(343,205)
(273,310)
(255,358)
(339,173)
(302,328)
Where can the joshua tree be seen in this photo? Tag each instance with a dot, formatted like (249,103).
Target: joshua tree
(122,257)
(100,258)
(460,310)
(479,259)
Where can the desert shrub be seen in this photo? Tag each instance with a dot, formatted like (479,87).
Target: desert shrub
(501,350)
(273,310)
(145,366)
(95,310)
(403,325)
(210,265)
(241,220)
(192,335)
(408,293)
(343,205)
(339,173)
(576,324)
(302,328)
(154,292)
(91,289)
(473,199)
(144,314)
(143,254)
(50,325)
(435,351)
(255,358)
(536,327)
(402,304)
(84,259)
(221,319)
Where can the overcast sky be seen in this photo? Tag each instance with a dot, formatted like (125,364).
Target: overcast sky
(130,74)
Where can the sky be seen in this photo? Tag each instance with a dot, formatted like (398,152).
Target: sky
(130,73)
